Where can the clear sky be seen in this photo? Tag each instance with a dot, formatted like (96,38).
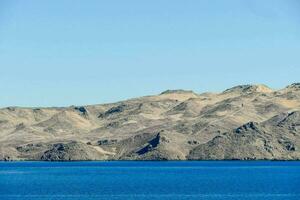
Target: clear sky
(59,52)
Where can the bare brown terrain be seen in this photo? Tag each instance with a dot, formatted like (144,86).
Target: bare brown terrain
(248,122)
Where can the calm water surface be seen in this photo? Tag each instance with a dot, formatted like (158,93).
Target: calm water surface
(150,180)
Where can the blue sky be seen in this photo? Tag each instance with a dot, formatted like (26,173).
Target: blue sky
(59,52)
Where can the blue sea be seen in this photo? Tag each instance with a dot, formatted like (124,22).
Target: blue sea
(211,180)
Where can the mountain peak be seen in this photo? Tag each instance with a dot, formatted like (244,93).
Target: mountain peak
(178,91)
(250,88)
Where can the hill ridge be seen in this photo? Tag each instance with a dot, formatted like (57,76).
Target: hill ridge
(244,122)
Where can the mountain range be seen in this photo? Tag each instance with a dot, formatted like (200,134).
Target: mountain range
(246,122)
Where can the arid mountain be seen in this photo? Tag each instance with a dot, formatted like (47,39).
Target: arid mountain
(246,122)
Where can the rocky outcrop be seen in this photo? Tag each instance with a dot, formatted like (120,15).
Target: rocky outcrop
(255,141)
(71,151)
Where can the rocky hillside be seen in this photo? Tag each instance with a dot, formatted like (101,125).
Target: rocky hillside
(246,122)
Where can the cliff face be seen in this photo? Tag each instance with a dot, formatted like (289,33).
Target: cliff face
(245,122)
